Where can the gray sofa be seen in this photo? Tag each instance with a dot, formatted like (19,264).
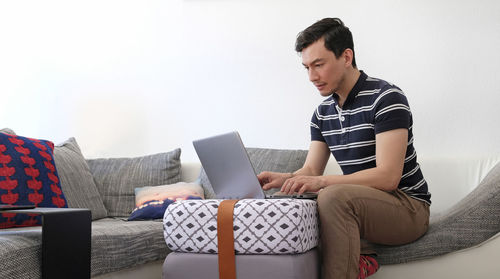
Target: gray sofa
(106,186)
(119,248)
(468,223)
(136,249)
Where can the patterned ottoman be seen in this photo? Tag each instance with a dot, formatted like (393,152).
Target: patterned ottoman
(285,230)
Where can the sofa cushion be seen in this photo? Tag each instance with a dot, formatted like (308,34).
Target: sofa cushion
(152,201)
(28,176)
(21,251)
(264,159)
(469,222)
(116,178)
(118,244)
(77,181)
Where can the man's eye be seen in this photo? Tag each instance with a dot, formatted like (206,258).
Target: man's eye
(318,65)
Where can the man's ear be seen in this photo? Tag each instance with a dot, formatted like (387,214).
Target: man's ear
(348,56)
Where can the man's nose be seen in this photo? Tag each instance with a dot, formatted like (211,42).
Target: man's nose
(313,75)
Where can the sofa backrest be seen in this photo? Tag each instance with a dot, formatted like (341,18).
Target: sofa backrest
(117,178)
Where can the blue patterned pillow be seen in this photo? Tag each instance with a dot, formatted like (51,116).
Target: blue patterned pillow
(28,176)
(152,201)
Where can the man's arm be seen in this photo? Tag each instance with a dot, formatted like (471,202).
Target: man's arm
(316,159)
(390,154)
(315,164)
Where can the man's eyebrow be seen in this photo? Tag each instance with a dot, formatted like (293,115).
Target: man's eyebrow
(314,61)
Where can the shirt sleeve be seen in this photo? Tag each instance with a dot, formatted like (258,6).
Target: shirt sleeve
(392,111)
(315,128)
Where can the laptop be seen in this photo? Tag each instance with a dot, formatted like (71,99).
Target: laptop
(229,170)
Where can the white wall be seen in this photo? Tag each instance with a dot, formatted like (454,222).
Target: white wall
(129,78)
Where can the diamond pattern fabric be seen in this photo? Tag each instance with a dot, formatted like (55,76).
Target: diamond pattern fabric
(281,226)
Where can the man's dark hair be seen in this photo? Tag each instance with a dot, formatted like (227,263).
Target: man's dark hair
(337,37)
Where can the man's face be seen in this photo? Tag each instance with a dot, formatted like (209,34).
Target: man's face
(325,71)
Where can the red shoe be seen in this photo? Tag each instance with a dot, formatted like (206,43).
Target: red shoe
(367,266)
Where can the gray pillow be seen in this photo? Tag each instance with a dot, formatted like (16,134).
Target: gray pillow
(77,182)
(7,131)
(471,221)
(264,159)
(116,178)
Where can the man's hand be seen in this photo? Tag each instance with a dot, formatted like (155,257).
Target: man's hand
(270,179)
(301,184)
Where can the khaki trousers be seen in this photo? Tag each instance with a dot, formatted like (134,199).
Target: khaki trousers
(349,213)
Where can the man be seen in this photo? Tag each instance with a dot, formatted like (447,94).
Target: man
(366,123)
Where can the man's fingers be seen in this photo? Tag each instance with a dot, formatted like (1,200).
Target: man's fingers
(285,186)
(294,188)
(302,189)
(289,186)
(270,184)
(264,178)
(261,176)
(263,181)
(266,186)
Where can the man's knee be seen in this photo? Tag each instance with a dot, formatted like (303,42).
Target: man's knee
(336,207)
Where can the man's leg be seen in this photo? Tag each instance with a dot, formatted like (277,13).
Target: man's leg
(350,212)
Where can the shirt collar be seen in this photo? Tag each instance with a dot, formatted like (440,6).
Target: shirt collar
(354,91)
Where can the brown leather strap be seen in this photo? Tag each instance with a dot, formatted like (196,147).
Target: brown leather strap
(225,239)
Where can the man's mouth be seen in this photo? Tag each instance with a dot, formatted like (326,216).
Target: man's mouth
(320,86)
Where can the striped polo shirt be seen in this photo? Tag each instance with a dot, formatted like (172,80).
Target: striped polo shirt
(373,106)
